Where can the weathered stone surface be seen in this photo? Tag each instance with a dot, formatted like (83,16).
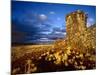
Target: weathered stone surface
(76,27)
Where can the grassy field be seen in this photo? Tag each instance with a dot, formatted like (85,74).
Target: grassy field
(21,50)
(37,59)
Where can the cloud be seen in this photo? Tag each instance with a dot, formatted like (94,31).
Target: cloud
(44,38)
(41,41)
(90,21)
(31,18)
(42,17)
(38,29)
(45,32)
(57,33)
(59,29)
(52,12)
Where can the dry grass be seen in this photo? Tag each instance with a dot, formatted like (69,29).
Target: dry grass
(19,51)
(37,58)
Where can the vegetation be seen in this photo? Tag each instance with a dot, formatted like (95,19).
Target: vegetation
(52,60)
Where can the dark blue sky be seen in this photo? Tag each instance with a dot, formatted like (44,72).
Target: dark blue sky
(34,22)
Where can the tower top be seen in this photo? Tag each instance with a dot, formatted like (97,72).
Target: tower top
(76,12)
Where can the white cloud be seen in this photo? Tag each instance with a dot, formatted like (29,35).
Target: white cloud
(90,21)
(64,33)
(43,38)
(47,32)
(56,32)
(88,24)
(42,17)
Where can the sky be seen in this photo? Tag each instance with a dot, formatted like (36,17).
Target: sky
(35,22)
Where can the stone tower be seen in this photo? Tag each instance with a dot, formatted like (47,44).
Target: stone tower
(75,28)
(76,23)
